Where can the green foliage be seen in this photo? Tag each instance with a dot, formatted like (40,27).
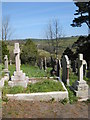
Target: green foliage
(31,71)
(83,46)
(29,53)
(45,86)
(16,89)
(72,78)
(72,97)
(11,90)
(64,101)
(69,53)
(83,13)
(5,51)
(5,89)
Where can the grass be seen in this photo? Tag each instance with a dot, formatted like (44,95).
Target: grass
(72,78)
(45,86)
(72,97)
(31,71)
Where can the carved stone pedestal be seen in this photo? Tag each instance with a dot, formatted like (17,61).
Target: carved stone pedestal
(81,89)
(19,78)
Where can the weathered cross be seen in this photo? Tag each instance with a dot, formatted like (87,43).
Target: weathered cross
(17,56)
(6,62)
(80,62)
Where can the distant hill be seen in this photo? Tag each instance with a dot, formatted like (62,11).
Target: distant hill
(42,44)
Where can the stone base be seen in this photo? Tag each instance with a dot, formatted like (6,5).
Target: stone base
(19,78)
(81,89)
(6,71)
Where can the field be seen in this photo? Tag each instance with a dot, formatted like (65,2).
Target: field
(43,46)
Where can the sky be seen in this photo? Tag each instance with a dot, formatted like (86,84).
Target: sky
(30,19)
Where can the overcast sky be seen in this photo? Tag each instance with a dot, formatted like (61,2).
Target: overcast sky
(29,20)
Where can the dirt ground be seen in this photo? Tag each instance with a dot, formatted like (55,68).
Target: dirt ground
(30,109)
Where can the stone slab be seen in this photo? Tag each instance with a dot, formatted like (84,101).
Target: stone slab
(39,96)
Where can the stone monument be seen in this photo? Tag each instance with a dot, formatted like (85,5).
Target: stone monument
(58,67)
(6,64)
(41,67)
(80,86)
(65,69)
(19,78)
(10,62)
(45,64)
(84,67)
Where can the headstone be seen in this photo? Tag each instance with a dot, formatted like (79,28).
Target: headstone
(45,63)
(6,64)
(54,67)
(84,67)
(58,68)
(10,62)
(41,64)
(80,86)
(65,69)
(74,66)
(19,78)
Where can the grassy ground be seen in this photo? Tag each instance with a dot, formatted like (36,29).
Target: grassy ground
(31,71)
(42,86)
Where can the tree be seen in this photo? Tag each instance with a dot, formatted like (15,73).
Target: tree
(84,48)
(69,53)
(29,53)
(54,33)
(49,36)
(6,28)
(5,51)
(83,13)
(57,33)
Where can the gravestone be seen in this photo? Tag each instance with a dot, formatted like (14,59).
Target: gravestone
(19,78)
(65,69)
(54,67)
(41,67)
(80,86)
(6,64)
(58,68)
(84,67)
(10,62)
(74,66)
(45,64)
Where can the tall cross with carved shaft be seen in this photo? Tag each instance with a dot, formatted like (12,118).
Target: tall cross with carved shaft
(17,56)
(80,62)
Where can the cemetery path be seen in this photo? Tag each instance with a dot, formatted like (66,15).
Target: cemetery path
(29,109)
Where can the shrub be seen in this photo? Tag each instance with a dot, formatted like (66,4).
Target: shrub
(29,53)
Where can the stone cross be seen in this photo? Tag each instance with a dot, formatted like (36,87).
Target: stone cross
(80,86)
(41,63)
(65,69)
(10,62)
(84,67)
(6,62)
(17,56)
(80,62)
(18,78)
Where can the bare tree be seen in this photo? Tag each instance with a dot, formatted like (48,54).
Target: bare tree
(6,28)
(54,33)
(57,33)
